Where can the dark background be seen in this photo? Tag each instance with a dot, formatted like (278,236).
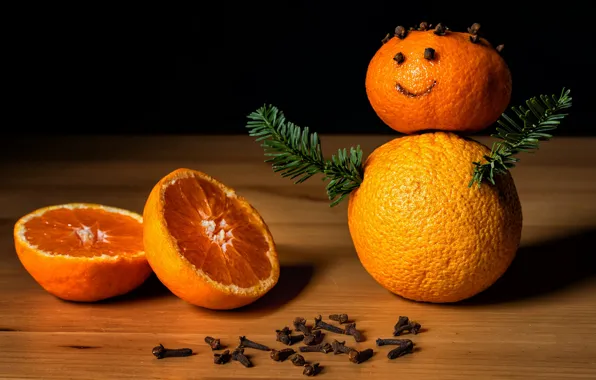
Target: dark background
(104,70)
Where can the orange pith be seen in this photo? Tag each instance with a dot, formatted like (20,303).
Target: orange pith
(210,233)
(208,245)
(465,87)
(83,252)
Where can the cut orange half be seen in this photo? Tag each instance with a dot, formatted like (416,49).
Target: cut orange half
(206,244)
(83,252)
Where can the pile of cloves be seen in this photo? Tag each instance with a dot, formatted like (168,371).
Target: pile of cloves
(312,339)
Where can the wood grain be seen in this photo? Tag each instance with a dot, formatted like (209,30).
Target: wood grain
(538,321)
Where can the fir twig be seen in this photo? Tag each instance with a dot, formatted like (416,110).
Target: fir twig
(295,152)
(542,115)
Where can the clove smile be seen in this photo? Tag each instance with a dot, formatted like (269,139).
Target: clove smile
(406,92)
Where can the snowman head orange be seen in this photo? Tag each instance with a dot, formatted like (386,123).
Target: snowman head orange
(437,79)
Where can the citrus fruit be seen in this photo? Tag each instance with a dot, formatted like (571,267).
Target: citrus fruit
(83,252)
(420,231)
(207,244)
(440,82)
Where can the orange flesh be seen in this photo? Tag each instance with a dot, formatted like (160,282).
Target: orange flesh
(216,233)
(85,232)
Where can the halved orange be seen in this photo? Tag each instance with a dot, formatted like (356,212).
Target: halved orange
(207,244)
(81,251)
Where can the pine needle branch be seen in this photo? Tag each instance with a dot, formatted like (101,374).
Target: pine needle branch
(296,153)
(541,116)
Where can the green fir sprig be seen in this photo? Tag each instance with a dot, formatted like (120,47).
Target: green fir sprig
(542,115)
(296,152)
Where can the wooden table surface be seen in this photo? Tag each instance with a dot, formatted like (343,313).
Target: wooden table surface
(538,321)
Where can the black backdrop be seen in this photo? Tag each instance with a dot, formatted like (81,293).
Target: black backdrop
(112,70)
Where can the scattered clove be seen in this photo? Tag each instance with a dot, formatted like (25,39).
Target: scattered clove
(423,26)
(473,30)
(340,347)
(281,355)
(238,355)
(405,347)
(222,358)
(340,318)
(161,352)
(351,330)
(404,324)
(429,53)
(399,58)
(297,360)
(387,342)
(400,32)
(246,343)
(312,338)
(215,344)
(440,30)
(321,347)
(311,369)
(358,357)
(500,47)
(300,325)
(283,335)
(320,324)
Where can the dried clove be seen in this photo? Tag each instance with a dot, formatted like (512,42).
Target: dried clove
(222,358)
(358,357)
(320,324)
(351,330)
(311,369)
(473,30)
(410,326)
(387,342)
(340,347)
(423,26)
(399,58)
(161,352)
(440,30)
(281,355)
(405,347)
(429,53)
(499,48)
(321,347)
(340,318)
(312,338)
(246,343)
(285,336)
(215,344)
(238,355)
(400,32)
(300,325)
(475,38)
(297,360)
(401,321)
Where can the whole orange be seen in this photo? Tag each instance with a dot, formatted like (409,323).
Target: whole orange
(440,82)
(420,231)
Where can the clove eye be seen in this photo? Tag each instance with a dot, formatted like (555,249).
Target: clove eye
(399,58)
(429,53)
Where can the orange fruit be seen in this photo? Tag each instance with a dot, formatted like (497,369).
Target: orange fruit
(420,231)
(83,252)
(457,86)
(207,244)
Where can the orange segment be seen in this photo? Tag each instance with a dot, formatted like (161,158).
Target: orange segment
(83,252)
(208,245)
